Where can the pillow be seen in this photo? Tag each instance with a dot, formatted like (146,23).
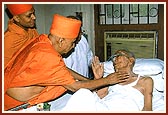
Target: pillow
(142,66)
(149,67)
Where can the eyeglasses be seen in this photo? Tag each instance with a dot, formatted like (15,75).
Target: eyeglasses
(113,57)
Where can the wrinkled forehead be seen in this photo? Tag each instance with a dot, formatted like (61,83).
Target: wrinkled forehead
(70,40)
(124,52)
(121,52)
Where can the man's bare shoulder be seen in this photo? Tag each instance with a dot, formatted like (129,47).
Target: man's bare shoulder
(146,81)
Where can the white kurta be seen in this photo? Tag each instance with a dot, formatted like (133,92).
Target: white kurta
(81,58)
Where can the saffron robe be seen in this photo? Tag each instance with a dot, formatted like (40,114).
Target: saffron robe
(15,37)
(37,63)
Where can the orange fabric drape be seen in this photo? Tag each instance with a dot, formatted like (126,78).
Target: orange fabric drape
(37,64)
(15,37)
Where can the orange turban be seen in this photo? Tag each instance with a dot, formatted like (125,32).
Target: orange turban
(16,9)
(65,27)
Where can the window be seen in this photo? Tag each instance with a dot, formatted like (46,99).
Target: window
(128,13)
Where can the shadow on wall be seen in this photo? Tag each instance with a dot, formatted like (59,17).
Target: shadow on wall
(8,13)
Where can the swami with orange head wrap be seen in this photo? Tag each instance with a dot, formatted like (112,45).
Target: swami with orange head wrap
(21,28)
(37,72)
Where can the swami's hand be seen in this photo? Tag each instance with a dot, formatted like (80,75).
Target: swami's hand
(117,77)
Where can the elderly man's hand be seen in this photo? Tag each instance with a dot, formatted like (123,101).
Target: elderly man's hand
(97,67)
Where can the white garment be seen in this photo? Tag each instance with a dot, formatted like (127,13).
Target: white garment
(120,98)
(125,97)
(81,58)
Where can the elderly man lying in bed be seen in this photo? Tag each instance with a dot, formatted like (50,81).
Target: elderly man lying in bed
(133,95)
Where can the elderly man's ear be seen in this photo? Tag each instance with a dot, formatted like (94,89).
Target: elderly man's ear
(132,60)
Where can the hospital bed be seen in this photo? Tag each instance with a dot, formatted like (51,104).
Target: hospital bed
(151,67)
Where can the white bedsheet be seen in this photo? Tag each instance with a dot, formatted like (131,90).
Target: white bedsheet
(86,101)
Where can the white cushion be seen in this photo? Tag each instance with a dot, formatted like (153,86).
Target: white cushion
(148,66)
